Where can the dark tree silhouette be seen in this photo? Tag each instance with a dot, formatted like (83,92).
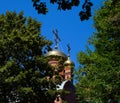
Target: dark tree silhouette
(84,13)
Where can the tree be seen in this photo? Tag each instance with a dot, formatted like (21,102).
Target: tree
(23,67)
(84,14)
(99,72)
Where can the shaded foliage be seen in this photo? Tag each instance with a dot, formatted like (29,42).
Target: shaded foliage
(23,67)
(84,14)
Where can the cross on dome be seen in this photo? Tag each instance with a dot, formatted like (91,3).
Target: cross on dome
(68,46)
(57,39)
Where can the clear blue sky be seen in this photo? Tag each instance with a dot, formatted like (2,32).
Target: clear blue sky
(70,28)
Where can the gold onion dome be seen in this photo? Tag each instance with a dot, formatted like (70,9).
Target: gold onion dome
(56,52)
(69,62)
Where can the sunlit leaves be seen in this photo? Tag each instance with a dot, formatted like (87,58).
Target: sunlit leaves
(101,66)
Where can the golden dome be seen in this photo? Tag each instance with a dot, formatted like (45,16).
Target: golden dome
(69,62)
(56,52)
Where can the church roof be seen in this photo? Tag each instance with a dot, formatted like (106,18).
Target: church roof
(61,86)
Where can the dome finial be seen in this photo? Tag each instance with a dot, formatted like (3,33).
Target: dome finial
(57,39)
(68,61)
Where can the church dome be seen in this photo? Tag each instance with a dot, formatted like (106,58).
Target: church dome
(69,62)
(56,52)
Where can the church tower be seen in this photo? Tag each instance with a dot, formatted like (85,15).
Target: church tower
(68,66)
(64,66)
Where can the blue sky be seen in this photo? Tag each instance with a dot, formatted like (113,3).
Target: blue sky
(70,28)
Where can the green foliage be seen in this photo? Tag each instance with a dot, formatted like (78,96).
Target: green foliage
(99,72)
(84,14)
(23,68)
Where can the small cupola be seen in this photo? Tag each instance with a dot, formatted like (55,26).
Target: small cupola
(68,61)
